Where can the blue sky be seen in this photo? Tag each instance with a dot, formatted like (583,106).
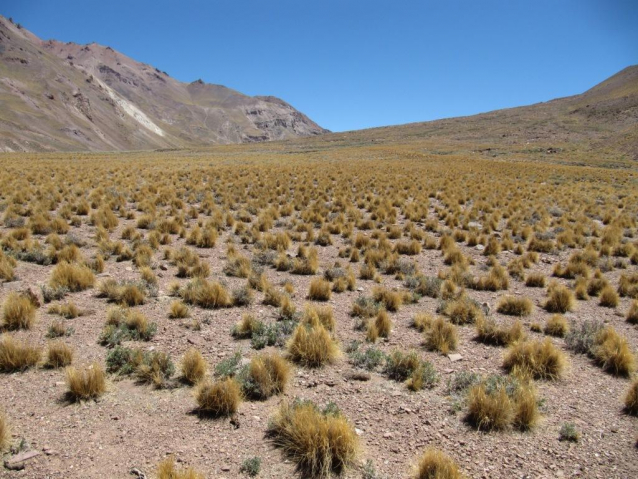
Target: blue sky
(357,64)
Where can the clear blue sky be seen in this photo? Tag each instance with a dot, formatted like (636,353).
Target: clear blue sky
(357,64)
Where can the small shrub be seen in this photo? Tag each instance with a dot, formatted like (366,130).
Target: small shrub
(568,432)
(434,464)
(541,359)
(557,325)
(220,398)
(154,367)
(369,359)
(514,306)
(73,277)
(228,367)
(441,336)
(87,383)
(18,312)
(251,466)
(319,290)
(582,336)
(364,307)
(312,346)
(168,470)
(193,366)
(320,442)
(59,355)
(17,356)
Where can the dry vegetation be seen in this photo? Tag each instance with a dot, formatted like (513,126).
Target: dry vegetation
(327,272)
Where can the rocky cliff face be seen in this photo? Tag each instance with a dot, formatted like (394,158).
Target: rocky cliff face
(65,96)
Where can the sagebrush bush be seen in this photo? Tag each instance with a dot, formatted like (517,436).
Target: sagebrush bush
(168,470)
(320,442)
(18,312)
(219,398)
(434,464)
(16,355)
(441,336)
(86,383)
(514,306)
(73,277)
(59,355)
(312,346)
(194,366)
(540,359)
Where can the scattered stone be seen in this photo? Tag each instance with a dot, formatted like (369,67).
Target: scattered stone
(455,357)
(17,462)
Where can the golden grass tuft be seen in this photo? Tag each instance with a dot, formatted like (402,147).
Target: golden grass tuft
(391,300)
(631,398)
(16,355)
(557,326)
(535,280)
(320,443)
(312,346)
(441,336)
(632,313)
(422,321)
(463,311)
(246,326)
(323,315)
(489,332)
(59,355)
(560,299)
(540,359)
(219,398)
(609,297)
(612,352)
(515,306)
(206,294)
(319,290)
(178,310)
(383,323)
(434,464)
(489,411)
(194,366)
(168,470)
(5,432)
(267,375)
(87,383)
(18,312)
(72,276)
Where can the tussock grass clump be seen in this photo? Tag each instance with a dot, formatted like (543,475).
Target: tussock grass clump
(153,367)
(178,310)
(87,383)
(461,311)
(246,327)
(535,280)
(129,294)
(323,315)
(59,355)
(168,470)
(18,312)
(16,355)
(410,368)
(7,265)
(73,277)
(489,332)
(319,290)
(320,442)
(194,366)
(422,321)
(391,300)
(514,306)
(5,432)
(67,310)
(560,299)
(219,398)
(609,297)
(312,346)
(441,336)
(266,375)
(631,398)
(497,279)
(557,326)
(383,324)
(632,313)
(612,352)
(434,464)
(206,294)
(540,359)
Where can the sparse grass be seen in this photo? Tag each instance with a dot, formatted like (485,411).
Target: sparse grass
(18,312)
(383,324)
(319,442)
(168,470)
(514,306)
(540,359)
(16,355)
(86,383)
(422,321)
(194,366)
(219,398)
(434,464)
(391,300)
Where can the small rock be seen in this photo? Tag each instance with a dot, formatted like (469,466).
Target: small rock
(17,462)
(455,357)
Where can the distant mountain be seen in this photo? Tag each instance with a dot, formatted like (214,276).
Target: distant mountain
(65,96)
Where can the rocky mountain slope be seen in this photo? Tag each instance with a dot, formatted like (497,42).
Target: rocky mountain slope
(65,96)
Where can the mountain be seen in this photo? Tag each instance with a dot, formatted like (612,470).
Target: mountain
(65,96)
(602,119)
